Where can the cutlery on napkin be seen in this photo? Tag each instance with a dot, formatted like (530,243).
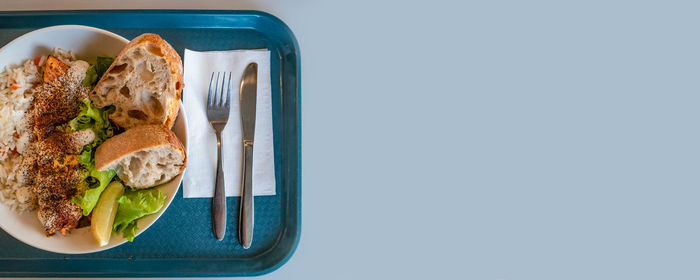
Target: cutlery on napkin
(200,176)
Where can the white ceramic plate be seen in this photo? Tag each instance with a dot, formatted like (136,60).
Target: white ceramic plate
(86,43)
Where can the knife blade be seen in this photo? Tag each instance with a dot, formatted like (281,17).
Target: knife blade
(248,95)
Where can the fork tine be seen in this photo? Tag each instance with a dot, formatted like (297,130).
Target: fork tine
(228,91)
(218,91)
(209,96)
(223,90)
(220,99)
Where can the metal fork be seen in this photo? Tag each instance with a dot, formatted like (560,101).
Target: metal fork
(218,107)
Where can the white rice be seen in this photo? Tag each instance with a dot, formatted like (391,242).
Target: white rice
(15,100)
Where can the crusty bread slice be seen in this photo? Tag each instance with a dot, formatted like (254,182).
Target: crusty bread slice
(144,83)
(144,156)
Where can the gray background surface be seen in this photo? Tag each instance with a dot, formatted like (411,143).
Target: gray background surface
(491,139)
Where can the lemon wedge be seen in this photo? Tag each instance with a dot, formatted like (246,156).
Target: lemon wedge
(104,213)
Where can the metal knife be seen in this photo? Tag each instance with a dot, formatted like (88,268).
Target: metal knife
(248,93)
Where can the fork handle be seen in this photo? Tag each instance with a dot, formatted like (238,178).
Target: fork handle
(218,204)
(245,235)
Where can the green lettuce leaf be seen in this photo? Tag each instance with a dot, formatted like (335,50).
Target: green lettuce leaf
(134,205)
(85,158)
(89,199)
(95,71)
(95,119)
(129,231)
(88,117)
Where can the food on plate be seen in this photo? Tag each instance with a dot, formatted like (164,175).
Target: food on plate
(15,100)
(92,119)
(65,148)
(54,175)
(132,206)
(143,156)
(54,69)
(143,84)
(105,211)
(95,71)
(50,167)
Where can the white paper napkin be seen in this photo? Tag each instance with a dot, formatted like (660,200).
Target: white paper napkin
(200,175)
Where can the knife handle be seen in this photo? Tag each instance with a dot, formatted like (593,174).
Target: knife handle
(218,204)
(245,235)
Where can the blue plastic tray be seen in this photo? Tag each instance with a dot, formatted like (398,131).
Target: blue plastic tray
(181,242)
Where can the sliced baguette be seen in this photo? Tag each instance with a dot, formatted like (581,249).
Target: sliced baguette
(143,157)
(144,83)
